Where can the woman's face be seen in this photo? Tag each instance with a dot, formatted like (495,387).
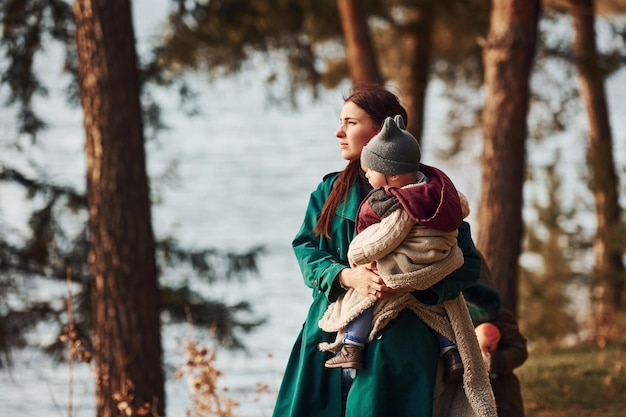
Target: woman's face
(355,130)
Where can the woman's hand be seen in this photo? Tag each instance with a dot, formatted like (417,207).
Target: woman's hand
(385,291)
(364,279)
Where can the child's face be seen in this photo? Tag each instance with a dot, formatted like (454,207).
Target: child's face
(376,179)
(488,337)
(489,346)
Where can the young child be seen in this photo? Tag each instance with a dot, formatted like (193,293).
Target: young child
(504,349)
(502,345)
(408,226)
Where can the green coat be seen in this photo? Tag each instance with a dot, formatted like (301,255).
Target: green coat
(399,366)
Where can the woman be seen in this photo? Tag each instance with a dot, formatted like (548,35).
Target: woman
(400,366)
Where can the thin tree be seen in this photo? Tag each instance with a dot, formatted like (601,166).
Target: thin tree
(125,296)
(508,57)
(360,55)
(608,273)
(416,73)
(420,40)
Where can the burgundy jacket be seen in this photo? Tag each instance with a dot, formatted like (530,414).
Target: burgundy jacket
(433,204)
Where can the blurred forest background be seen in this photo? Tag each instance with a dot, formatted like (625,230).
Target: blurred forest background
(516,72)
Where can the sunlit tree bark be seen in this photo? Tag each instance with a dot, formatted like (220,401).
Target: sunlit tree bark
(360,56)
(608,270)
(508,56)
(415,74)
(127,344)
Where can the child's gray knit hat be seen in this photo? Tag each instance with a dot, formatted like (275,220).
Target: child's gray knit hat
(393,150)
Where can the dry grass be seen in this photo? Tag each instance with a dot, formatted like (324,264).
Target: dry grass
(582,381)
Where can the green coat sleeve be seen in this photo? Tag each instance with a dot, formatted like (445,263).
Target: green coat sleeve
(467,275)
(322,259)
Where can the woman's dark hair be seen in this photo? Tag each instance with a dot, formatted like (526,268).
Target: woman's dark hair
(379,103)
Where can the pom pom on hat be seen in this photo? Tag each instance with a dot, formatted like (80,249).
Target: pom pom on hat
(393,150)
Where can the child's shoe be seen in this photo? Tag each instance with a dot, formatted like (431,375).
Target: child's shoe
(350,356)
(453,366)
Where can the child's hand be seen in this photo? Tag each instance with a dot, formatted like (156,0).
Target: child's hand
(486,358)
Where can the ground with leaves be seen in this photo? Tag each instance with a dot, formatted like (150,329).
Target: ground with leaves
(581,381)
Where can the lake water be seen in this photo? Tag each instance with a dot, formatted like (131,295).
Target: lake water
(244,173)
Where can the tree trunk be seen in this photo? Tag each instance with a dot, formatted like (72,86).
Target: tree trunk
(360,56)
(415,74)
(127,344)
(608,269)
(508,56)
